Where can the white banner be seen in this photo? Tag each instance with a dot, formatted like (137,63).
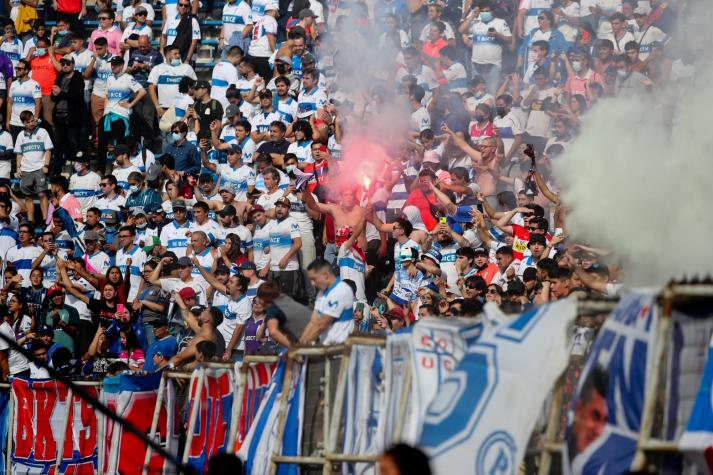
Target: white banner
(482,417)
(397,358)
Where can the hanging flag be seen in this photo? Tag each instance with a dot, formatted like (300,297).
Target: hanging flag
(257,382)
(697,440)
(362,406)
(43,415)
(397,359)
(134,399)
(258,447)
(605,416)
(437,347)
(483,414)
(214,405)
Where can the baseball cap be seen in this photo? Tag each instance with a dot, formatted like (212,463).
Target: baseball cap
(537,239)
(307,58)
(117,60)
(229,189)
(432,254)
(153,172)
(54,290)
(284,201)
(161,322)
(140,10)
(154,208)
(202,85)
(247,265)
(480,250)
(179,204)
(187,293)
(110,216)
(406,254)
(306,12)
(222,269)
(184,261)
(640,11)
(91,235)
(68,57)
(396,312)
(462,214)
(121,149)
(228,210)
(136,211)
(265,93)
(197,309)
(152,243)
(232,110)
(257,208)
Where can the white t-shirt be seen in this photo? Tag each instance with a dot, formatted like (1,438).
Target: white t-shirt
(259,45)
(486,49)
(236,313)
(128,12)
(169,29)
(235,17)
(282,235)
(538,122)
(238,179)
(16,361)
(174,284)
(85,188)
(23,95)
(121,88)
(337,303)
(102,71)
(32,146)
(420,120)
(224,74)
(166,79)
(353,267)
(138,259)
(261,240)
(534,8)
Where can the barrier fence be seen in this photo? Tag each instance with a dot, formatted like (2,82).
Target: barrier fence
(326,409)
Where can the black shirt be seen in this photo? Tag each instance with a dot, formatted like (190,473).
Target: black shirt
(207,113)
(274,147)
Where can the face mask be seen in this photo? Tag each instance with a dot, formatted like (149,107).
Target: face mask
(290,168)
(486,17)
(62,32)
(176,62)
(621,73)
(176,137)
(142,226)
(479,94)
(577,66)
(481,118)
(500,111)
(40,51)
(78,167)
(110,228)
(134,189)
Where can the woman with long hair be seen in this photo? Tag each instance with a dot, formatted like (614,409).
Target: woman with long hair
(131,352)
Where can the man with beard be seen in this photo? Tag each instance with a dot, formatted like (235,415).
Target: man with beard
(486,269)
(285,243)
(344,214)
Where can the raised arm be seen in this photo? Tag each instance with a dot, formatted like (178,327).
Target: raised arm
(210,278)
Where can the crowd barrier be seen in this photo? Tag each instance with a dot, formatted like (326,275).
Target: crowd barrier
(326,409)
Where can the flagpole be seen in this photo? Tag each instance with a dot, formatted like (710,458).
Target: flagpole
(63,433)
(154,421)
(237,404)
(193,414)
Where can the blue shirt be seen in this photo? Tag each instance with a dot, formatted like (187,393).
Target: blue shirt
(188,159)
(166,346)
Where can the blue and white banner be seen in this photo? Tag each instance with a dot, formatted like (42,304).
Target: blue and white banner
(482,417)
(259,445)
(437,346)
(697,440)
(362,406)
(605,417)
(397,359)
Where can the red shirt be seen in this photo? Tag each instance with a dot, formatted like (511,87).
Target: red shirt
(69,6)
(321,172)
(44,73)
(486,132)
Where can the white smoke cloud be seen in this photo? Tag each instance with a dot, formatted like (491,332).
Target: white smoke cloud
(638,180)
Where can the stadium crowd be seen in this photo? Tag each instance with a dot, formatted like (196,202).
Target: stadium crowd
(155,213)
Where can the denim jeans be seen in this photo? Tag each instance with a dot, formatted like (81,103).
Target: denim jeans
(491,74)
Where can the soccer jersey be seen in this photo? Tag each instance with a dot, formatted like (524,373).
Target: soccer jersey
(262,27)
(205,260)
(171,26)
(236,313)
(166,78)
(287,110)
(23,95)
(13,50)
(138,259)
(102,71)
(21,259)
(261,240)
(173,237)
(309,101)
(235,17)
(352,266)
(337,303)
(282,235)
(85,188)
(237,179)
(224,74)
(32,146)
(120,88)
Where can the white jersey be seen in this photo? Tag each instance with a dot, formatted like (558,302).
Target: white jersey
(6,144)
(171,7)
(645,38)
(166,78)
(262,27)
(287,110)
(205,260)
(303,150)
(169,29)
(133,28)
(236,313)
(120,88)
(457,78)
(174,239)
(210,228)
(420,120)
(282,235)
(23,95)
(261,121)
(8,234)
(110,204)
(99,262)
(13,50)
(122,175)
(309,101)
(21,259)
(534,8)
(224,74)
(138,259)
(85,188)
(352,266)
(337,303)
(235,17)
(261,241)
(81,61)
(237,179)
(102,71)
(128,12)
(17,363)
(32,146)
(244,86)
(487,49)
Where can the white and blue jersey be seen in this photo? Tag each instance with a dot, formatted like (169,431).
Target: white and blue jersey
(120,88)
(23,95)
(235,17)
(534,8)
(174,239)
(448,261)
(457,78)
(85,188)
(6,144)
(248,147)
(166,78)
(8,235)
(13,50)
(405,286)
(122,175)
(64,243)
(110,204)
(171,8)
(102,71)
(309,101)
(282,235)
(170,29)
(287,110)
(81,61)
(261,240)
(224,74)
(32,146)
(205,260)
(237,179)
(258,9)
(210,228)
(352,267)
(138,259)
(261,121)
(302,149)
(337,303)
(220,301)
(21,259)
(236,313)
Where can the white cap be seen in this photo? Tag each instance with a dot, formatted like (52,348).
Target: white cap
(272,6)
(640,10)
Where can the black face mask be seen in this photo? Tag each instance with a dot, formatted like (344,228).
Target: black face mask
(501,111)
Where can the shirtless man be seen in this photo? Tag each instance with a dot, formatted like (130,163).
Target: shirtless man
(484,159)
(205,327)
(344,214)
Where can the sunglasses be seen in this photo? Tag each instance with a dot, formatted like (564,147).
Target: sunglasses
(541,17)
(20,69)
(65,63)
(103,184)
(104,18)
(471,287)
(184,5)
(492,291)
(141,14)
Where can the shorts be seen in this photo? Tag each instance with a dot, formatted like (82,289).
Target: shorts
(33,182)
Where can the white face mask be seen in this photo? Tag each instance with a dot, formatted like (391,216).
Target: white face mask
(134,189)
